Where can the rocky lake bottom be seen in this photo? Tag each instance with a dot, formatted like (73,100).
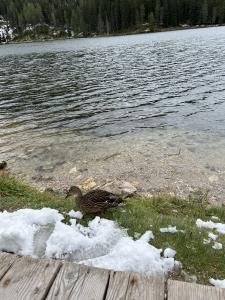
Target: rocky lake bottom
(160,161)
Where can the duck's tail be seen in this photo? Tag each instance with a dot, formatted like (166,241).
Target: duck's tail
(115,200)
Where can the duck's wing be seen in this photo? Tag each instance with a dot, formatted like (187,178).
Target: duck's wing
(101,196)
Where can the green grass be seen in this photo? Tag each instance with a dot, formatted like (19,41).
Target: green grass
(139,215)
(15,195)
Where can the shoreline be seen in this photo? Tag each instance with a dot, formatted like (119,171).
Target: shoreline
(93,35)
(165,162)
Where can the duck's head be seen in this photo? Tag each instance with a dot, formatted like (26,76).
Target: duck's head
(74,191)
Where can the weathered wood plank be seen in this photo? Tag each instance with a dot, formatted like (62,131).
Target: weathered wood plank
(6,261)
(29,278)
(144,288)
(65,281)
(178,290)
(118,284)
(93,286)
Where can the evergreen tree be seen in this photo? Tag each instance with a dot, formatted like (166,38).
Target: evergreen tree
(32,13)
(205,12)
(157,11)
(151,21)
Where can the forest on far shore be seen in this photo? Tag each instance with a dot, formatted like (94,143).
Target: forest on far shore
(109,16)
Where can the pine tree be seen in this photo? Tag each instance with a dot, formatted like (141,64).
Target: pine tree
(151,21)
(205,12)
(157,12)
(32,14)
(165,13)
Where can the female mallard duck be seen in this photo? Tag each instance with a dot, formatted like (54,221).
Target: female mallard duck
(96,201)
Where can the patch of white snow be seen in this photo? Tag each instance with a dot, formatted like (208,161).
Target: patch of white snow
(168,252)
(101,244)
(217,246)
(217,283)
(78,242)
(212,236)
(147,236)
(17,229)
(136,256)
(75,214)
(171,229)
(220,227)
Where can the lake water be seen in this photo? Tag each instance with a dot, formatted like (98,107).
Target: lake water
(148,109)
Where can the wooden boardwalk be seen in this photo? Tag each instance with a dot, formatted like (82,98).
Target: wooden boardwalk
(26,278)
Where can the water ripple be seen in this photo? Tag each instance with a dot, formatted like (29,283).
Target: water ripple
(108,86)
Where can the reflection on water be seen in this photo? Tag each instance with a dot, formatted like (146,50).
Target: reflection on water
(60,99)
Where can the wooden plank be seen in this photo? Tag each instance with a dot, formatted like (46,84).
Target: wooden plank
(144,288)
(118,284)
(65,281)
(29,278)
(6,261)
(178,290)
(93,286)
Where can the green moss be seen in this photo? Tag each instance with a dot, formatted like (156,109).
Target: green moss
(139,215)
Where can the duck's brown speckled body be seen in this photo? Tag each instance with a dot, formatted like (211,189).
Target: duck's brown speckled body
(96,201)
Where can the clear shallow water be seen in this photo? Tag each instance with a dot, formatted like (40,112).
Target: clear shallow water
(88,90)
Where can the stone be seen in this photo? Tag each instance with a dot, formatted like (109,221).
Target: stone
(88,184)
(121,188)
(127,188)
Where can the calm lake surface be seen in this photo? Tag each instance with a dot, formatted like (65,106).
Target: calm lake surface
(86,103)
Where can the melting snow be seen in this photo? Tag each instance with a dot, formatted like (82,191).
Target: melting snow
(217,283)
(78,242)
(168,252)
(75,214)
(101,244)
(212,236)
(17,229)
(217,246)
(220,227)
(130,255)
(171,229)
